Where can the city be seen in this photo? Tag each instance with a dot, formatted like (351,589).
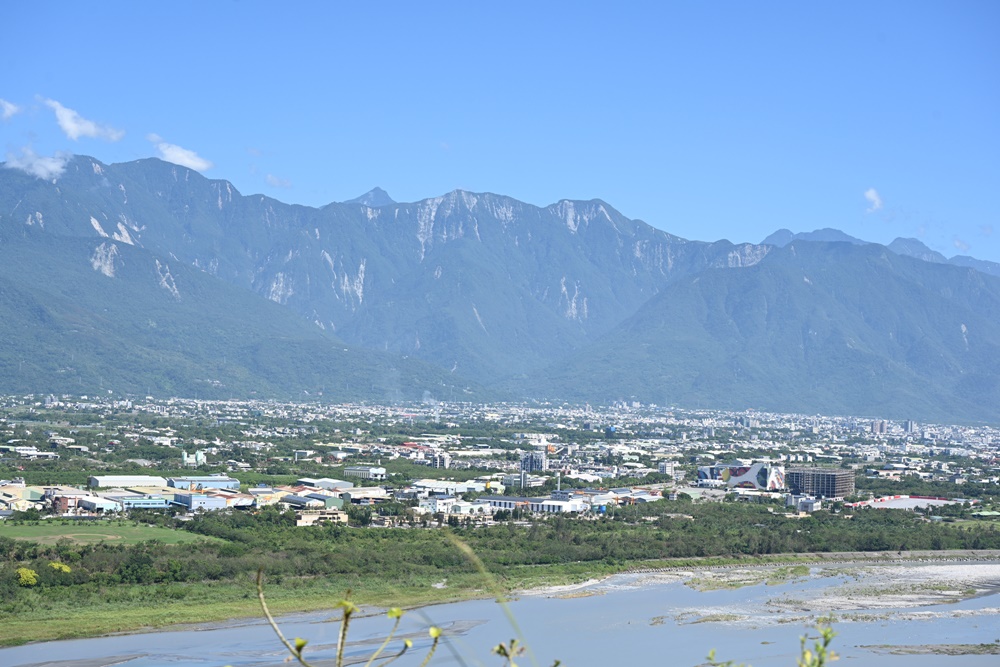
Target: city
(464,462)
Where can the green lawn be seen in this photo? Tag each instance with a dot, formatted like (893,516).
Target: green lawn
(50,532)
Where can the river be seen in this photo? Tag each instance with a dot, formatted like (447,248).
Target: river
(648,619)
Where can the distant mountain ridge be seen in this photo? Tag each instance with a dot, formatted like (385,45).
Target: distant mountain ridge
(150,270)
(783,237)
(477,283)
(854,328)
(375,198)
(908,247)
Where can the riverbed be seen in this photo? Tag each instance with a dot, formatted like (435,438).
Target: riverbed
(910,615)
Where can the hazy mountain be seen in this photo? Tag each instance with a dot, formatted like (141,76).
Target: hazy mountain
(814,327)
(915,248)
(90,315)
(983,265)
(375,198)
(480,284)
(146,273)
(783,237)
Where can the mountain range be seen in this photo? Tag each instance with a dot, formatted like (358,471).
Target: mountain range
(148,277)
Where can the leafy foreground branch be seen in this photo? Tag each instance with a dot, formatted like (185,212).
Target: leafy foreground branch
(347,610)
(819,655)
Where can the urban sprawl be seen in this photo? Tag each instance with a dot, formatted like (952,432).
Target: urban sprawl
(451,463)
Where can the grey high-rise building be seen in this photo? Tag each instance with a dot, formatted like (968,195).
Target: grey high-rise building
(534,462)
(821,482)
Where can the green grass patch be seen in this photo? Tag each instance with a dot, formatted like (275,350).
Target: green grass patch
(93,533)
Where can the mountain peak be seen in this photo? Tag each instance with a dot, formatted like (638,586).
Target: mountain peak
(374,198)
(783,237)
(916,248)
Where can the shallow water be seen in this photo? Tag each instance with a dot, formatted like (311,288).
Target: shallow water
(638,619)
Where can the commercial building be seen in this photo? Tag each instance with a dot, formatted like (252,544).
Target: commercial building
(133,501)
(438,503)
(98,505)
(200,482)
(536,461)
(540,505)
(124,481)
(365,472)
(821,482)
(324,483)
(313,517)
(200,501)
(760,476)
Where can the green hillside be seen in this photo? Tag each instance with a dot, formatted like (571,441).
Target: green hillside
(831,328)
(157,326)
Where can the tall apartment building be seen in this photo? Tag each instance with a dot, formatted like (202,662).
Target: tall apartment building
(534,462)
(821,482)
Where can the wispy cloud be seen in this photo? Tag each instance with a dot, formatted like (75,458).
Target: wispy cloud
(182,156)
(961,245)
(46,168)
(76,126)
(986,230)
(276,182)
(8,109)
(874,199)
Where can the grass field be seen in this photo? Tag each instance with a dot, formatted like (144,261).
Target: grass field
(48,532)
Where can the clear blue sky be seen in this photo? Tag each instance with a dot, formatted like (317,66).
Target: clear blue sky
(707,119)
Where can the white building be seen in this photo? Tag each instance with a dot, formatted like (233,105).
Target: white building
(540,505)
(124,481)
(435,504)
(365,472)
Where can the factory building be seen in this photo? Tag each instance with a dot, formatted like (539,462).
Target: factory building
(124,481)
(202,482)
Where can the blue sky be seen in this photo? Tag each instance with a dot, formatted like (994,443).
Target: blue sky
(709,120)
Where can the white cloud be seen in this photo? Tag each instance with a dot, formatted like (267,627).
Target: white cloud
(986,230)
(46,168)
(276,182)
(871,194)
(961,245)
(76,126)
(8,109)
(177,155)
